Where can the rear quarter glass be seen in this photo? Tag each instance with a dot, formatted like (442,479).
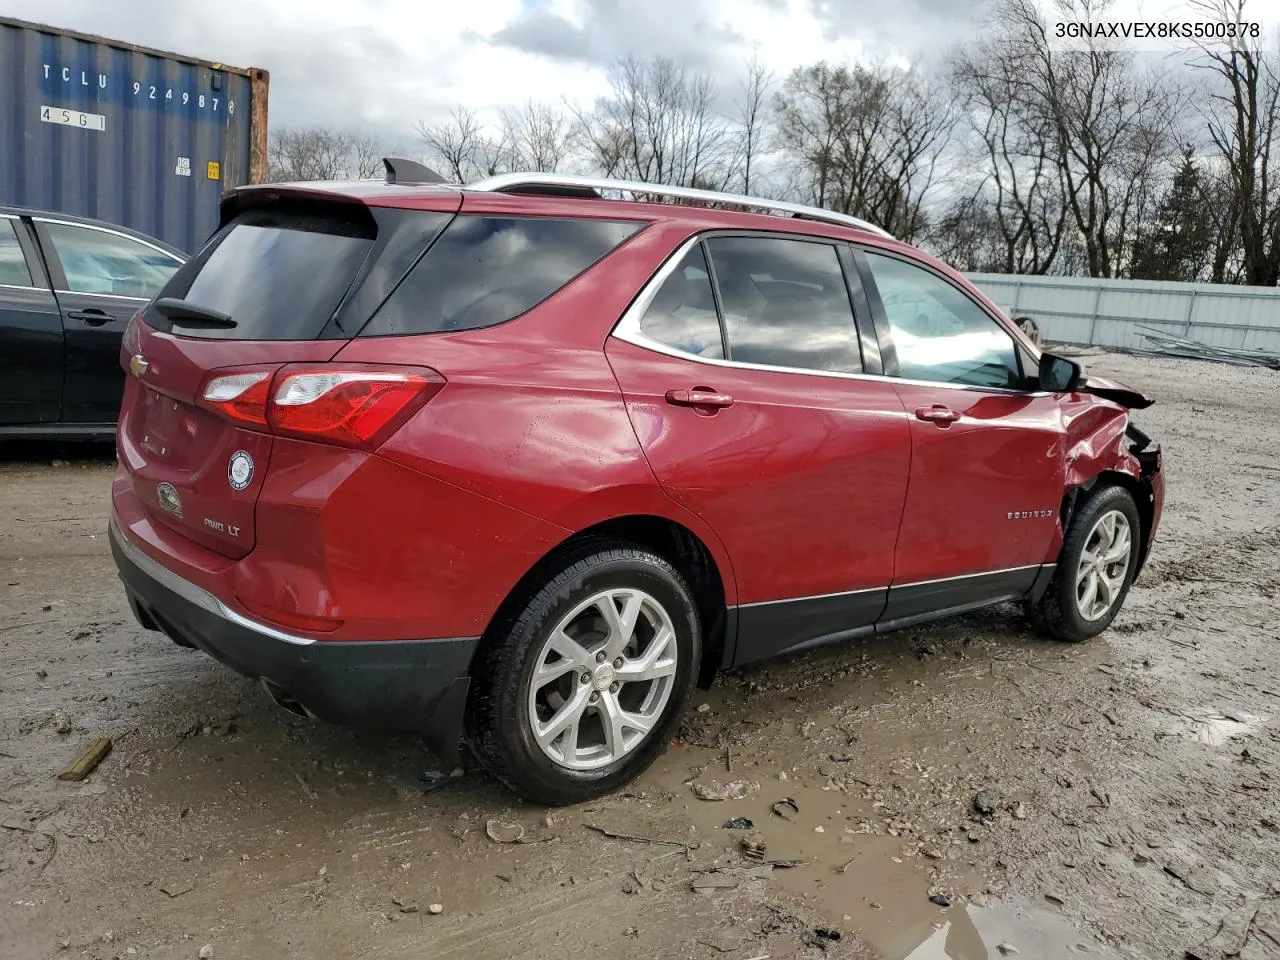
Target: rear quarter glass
(485,270)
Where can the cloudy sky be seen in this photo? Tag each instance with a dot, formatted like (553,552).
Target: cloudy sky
(382,65)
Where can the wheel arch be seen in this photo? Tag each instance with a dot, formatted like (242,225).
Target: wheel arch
(1138,487)
(674,542)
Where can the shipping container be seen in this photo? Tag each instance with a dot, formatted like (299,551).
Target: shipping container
(106,129)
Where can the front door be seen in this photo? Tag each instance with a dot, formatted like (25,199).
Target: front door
(749,418)
(102,278)
(987,466)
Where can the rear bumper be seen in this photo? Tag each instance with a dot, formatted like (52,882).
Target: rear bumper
(417,686)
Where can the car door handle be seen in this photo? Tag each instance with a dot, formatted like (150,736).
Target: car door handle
(93,316)
(699,397)
(942,416)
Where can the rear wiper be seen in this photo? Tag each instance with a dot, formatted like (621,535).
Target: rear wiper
(187,314)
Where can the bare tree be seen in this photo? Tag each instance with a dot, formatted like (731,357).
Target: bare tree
(658,125)
(1244,128)
(366,154)
(870,139)
(1112,132)
(751,120)
(1222,204)
(321,153)
(461,145)
(1017,186)
(1028,157)
(1078,142)
(538,136)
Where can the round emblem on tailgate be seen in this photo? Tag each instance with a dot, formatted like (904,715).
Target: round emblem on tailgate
(169,498)
(240,470)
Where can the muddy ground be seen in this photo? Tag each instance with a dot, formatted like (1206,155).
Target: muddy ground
(1133,779)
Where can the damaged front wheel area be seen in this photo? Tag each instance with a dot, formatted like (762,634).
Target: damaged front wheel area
(1095,569)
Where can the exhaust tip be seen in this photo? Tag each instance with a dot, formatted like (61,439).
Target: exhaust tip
(286,700)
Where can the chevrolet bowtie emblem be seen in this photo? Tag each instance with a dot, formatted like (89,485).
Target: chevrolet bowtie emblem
(138,365)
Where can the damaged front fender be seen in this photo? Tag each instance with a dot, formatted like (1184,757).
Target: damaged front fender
(1103,446)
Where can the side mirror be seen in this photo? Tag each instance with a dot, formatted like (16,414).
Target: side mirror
(1060,375)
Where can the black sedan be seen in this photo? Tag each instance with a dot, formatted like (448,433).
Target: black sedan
(68,287)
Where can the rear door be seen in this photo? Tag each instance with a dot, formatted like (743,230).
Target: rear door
(30,331)
(101,278)
(292,278)
(987,467)
(758,418)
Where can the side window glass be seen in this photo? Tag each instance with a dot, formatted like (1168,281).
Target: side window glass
(13,265)
(785,304)
(939,333)
(99,262)
(683,314)
(487,270)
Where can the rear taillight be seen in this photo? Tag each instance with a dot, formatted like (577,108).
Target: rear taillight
(240,396)
(356,405)
(131,342)
(350,405)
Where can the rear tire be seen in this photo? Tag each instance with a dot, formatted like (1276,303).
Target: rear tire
(1095,568)
(570,702)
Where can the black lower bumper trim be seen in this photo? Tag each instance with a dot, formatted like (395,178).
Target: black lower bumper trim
(417,686)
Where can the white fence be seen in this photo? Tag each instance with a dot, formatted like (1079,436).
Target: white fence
(1108,313)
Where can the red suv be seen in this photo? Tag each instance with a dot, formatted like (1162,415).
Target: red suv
(524,461)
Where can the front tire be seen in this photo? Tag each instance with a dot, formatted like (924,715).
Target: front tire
(580,688)
(1096,567)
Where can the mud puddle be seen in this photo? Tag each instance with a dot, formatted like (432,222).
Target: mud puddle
(839,852)
(995,932)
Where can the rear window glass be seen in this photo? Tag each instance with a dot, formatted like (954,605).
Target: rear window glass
(486,270)
(278,274)
(785,303)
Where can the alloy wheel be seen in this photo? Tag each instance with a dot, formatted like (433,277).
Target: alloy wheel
(602,679)
(1104,563)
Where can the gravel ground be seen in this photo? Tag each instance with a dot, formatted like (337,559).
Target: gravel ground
(1130,781)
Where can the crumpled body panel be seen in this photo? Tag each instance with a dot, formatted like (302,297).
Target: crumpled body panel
(1099,440)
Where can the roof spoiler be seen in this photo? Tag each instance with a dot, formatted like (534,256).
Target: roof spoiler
(400,170)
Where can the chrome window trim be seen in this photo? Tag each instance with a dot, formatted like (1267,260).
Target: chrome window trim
(19,286)
(190,592)
(105,296)
(628,330)
(114,233)
(894,586)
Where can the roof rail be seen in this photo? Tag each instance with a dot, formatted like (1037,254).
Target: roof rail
(581,186)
